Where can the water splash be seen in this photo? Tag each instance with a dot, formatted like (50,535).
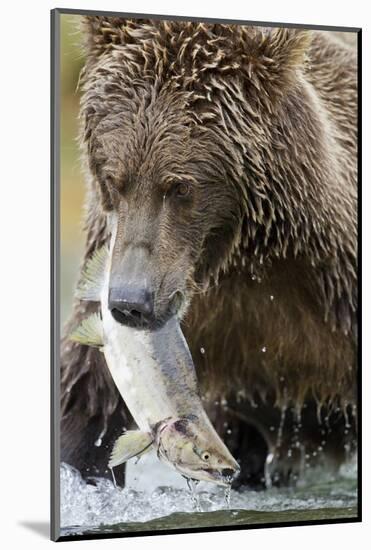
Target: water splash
(192,486)
(85,505)
(281,425)
(113,478)
(99,440)
(227,496)
(267,470)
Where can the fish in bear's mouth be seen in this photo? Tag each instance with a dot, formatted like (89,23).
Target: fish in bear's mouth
(155,375)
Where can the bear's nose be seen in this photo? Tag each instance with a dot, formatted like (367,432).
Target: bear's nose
(131,305)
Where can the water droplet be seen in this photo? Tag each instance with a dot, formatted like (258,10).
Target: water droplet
(229,431)
(202,350)
(113,478)
(269,458)
(267,470)
(281,426)
(264,349)
(227,496)
(271,297)
(192,484)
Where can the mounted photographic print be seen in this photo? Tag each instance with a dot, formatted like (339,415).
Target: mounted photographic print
(204,225)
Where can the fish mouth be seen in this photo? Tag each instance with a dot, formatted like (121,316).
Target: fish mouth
(208,474)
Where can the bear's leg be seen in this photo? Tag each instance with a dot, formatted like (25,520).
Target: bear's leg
(251,451)
(275,446)
(245,439)
(85,448)
(324,438)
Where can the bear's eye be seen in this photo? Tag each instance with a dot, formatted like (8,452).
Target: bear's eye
(205,455)
(182,189)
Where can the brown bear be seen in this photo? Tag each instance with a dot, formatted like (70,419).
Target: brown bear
(228,153)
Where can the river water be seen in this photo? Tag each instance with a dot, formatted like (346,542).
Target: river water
(156,498)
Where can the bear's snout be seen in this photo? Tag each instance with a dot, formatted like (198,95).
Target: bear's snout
(131,305)
(131,292)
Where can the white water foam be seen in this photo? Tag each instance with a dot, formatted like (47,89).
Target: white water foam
(153,491)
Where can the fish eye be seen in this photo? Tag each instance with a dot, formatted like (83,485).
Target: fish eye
(204,455)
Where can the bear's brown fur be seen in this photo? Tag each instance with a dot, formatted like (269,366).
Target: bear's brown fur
(266,121)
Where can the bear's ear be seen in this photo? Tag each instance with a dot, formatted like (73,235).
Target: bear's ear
(101,33)
(276,55)
(96,33)
(287,47)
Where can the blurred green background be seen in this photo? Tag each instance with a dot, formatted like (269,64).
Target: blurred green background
(71,177)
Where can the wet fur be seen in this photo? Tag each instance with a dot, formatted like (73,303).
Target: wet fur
(269,117)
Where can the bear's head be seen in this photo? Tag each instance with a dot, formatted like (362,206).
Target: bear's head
(179,125)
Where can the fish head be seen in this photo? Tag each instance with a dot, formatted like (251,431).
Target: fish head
(192,446)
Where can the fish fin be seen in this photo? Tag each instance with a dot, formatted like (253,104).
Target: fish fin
(92,278)
(129,444)
(89,332)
